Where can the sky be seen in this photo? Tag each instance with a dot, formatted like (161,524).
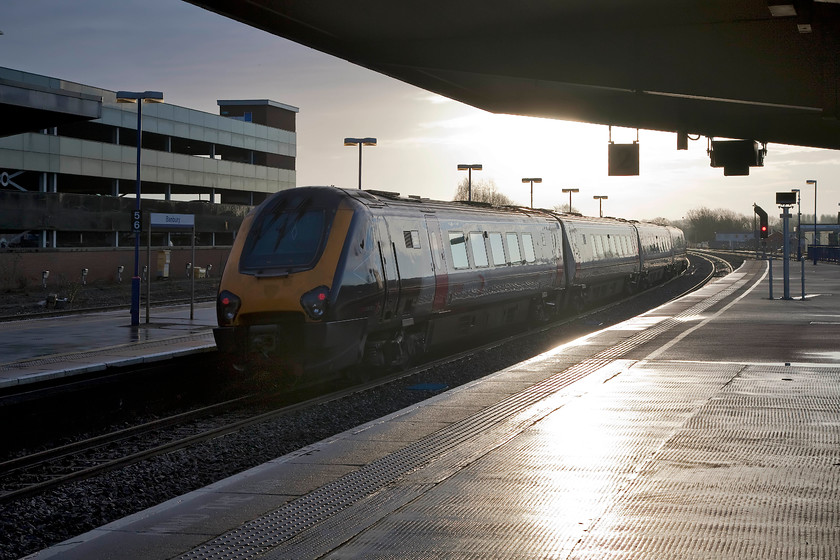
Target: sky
(196,57)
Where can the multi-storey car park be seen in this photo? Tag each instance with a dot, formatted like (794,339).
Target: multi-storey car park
(68,161)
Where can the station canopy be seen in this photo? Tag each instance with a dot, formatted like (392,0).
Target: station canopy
(764,70)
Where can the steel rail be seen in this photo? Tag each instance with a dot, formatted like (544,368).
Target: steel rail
(88,446)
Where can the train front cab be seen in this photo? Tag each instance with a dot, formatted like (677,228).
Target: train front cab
(279,300)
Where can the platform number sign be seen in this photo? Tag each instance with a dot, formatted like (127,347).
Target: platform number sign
(136,221)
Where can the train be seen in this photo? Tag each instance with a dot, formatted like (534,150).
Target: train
(323,278)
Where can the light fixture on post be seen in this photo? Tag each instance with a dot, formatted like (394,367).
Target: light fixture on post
(360,142)
(814,182)
(468,167)
(570,191)
(532,180)
(600,198)
(138,97)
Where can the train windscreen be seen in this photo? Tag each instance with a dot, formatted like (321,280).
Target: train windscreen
(286,236)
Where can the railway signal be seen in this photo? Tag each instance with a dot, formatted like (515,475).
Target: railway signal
(763,229)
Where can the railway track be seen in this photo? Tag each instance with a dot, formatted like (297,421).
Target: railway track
(40,472)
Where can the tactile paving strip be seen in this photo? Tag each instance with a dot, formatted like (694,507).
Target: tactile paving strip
(543,492)
(753,474)
(453,447)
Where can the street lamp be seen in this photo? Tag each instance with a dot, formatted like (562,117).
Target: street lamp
(600,198)
(570,191)
(814,182)
(469,168)
(798,223)
(361,142)
(138,97)
(532,180)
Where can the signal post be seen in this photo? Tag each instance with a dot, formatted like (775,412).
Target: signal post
(786,200)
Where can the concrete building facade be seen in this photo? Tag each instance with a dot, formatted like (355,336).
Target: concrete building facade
(73,186)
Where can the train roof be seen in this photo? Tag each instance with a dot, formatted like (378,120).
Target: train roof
(378,198)
(371,197)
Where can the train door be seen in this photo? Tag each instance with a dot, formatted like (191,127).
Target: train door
(387,253)
(438,264)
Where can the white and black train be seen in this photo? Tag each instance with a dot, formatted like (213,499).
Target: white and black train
(321,278)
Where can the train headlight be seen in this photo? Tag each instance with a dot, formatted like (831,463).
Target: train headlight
(227,306)
(315,302)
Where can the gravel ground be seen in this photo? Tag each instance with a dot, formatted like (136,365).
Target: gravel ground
(29,525)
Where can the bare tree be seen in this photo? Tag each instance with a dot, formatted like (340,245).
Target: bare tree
(701,224)
(565,208)
(483,190)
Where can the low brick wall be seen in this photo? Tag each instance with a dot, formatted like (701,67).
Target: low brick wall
(22,268)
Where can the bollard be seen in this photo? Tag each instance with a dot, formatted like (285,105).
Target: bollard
(802,267)
(770,263)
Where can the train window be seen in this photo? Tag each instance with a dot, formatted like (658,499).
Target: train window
(513,248)
(479,250)
(599,247)
(497,249)
(412,239)
(458,245)
(528,247)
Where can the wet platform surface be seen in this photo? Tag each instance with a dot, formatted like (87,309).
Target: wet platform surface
(707,428)
(48,348)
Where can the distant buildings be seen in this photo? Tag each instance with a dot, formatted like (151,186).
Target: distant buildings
(68,169)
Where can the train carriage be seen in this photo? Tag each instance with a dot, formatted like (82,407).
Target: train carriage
(321,278)
(656,253)
(602,257)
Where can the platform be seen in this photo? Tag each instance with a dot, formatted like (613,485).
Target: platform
(706,428)
(43,349)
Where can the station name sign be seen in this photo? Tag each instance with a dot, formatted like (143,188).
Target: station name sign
(171,220)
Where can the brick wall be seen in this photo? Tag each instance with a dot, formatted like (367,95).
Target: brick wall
(22,268)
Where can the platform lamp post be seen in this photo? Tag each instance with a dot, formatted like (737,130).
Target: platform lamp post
(798,223)
(814,182)
(532,180)
(570,191)
(138,97)
(468,167)
(600,198)
(360,142)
